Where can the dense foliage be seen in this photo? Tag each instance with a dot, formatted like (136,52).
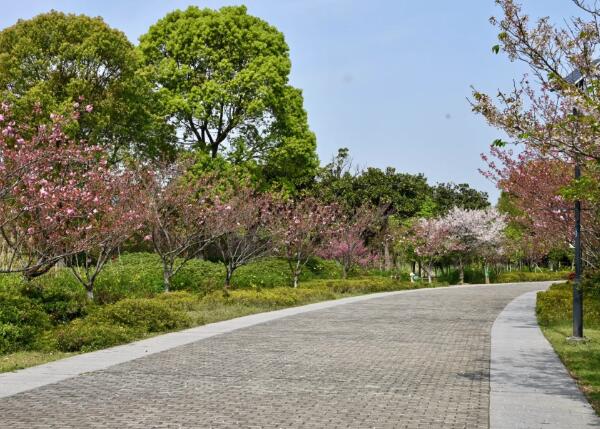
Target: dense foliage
(54,60)
(223,80)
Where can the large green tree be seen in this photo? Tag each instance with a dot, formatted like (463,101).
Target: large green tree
(446,196)
(55,60)
(400,194)
(223,77)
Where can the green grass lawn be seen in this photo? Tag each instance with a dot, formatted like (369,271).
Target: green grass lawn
(581,359)
(20,360)
(554,311)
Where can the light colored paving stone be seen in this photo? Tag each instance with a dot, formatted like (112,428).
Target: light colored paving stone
(530,387)
(416,359)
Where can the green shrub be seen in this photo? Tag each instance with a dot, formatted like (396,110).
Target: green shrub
(181,300)
(477,276)
(530,276)
(139,275)
(269,298)
(11,283)
(21,322)
(275,272)
(145,314)
(318,268)
(61,297)
(555,306)
(87,335)
(363,285)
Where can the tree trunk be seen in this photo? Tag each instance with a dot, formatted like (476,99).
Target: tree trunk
(429,273)
(295,280)
(228,275)
(387,260)
(167,274)
(462,272)
(90,293)
(486,271)
(214,150)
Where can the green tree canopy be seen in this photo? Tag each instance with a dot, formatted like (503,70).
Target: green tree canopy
(223,76)
(449,195)
(58,59)
(400,194)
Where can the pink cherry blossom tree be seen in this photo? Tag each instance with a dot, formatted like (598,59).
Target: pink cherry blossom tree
(305,226)
(535,184)
(346,243)
(57,197)
(177,209)
(243,223)
(116,207)
(430,238)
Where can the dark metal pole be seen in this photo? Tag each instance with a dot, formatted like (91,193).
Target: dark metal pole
(577,291)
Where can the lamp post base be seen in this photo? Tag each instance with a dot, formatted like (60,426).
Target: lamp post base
(577,339)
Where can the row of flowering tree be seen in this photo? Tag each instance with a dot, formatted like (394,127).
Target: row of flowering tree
(62,201)
(551,118)
(463,236)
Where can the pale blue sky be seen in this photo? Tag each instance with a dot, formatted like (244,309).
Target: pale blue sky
(386,78)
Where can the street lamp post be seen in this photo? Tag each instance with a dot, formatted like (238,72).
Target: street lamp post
(577,78)
(577,290)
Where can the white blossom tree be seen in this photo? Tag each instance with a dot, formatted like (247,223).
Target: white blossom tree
(474,233)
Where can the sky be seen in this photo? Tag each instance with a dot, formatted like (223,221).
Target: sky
(389,79)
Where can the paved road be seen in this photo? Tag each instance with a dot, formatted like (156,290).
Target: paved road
(415,360)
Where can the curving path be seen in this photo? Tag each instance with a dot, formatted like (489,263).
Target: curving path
(407,360)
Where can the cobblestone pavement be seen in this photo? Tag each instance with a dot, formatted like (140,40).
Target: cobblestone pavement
(416,360)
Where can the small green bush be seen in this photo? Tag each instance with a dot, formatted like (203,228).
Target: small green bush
(181,300)
(269,298)
(139,275)
(275,272)
(555,306)
(145,314)
(21,322)
(87,335)
(61,297)
(363,285)
(530,276)
(11,283)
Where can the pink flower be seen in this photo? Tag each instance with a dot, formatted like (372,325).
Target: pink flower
(89,108)
(148,237)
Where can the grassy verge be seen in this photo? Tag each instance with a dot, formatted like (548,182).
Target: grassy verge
(136,318)
(554,311)
(581,359)
(20,360)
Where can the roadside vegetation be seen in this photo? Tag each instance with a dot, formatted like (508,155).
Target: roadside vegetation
(582,359)
(50,317)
